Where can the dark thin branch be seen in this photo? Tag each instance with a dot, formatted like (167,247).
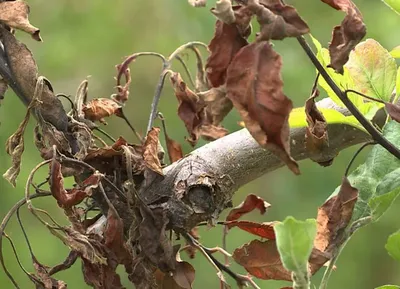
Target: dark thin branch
(355,156)
(375,134)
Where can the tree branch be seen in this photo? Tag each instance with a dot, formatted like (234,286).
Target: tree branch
(198,187)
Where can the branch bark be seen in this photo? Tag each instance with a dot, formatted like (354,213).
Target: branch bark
(201,185)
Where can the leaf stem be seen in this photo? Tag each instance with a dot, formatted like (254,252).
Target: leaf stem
(378,137)
(363,95)
(355,156)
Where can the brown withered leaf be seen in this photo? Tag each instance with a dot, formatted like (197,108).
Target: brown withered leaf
(174,149)
(217,104)
(114,237)
(3,88)
(25,78)
(100,276)
(67,199)
(48,282)
(227,41)
(191,107)
(153,240)
(263,230)
(256,89)
(334,216)
(99,108)
(316,131)
(262,260)
(212,132)
(15,15)
(107,152)
(346,36)
(150,154)
(277,20)
(393,110)
(251,203)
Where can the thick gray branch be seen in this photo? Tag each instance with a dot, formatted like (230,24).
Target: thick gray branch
(201,185)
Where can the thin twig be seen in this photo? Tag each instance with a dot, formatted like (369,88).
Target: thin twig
(355,156)
(186,68)
(379,138)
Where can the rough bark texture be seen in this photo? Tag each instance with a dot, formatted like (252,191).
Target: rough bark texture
(199,186)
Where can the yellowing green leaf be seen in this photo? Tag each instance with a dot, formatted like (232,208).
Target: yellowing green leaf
(373,70)
(388,287)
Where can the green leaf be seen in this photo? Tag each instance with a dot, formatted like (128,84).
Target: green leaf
(397,86)
(297,118)
(395,51)
(386,192)
(393,4)
(393,246)
(344,81)
(295,241)
(373,70)
(388,287)
(375,179)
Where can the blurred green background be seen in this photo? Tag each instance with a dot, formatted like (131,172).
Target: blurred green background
(89,37)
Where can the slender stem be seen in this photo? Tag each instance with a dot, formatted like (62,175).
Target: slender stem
(363,95)
(186,68)
(379,138)
(355,156)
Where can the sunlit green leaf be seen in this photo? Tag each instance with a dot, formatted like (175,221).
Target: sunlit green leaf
(295,241)
(297,118)
(397,85)
(394,4)
(393,246)
(373,70)
(344,81)
(388,287)
(395,51)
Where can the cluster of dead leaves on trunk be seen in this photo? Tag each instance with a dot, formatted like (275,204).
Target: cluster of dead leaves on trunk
(261,257)
(237,74)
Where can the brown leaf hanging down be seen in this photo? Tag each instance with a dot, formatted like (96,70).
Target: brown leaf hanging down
(277,20)
(251,203)
(99,108)
(227,41)
(393,110)
(15,15)
(346,36)
(262,260)
(256,89)
(316,131)
(174,149)
(150,154)
(217,104)
(191,108)
(334,216)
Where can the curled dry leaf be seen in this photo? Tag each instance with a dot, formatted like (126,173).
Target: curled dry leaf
(191,107)
(150,154)
(277,20)
(346,36)
(47,281)
(15,15)
(198,3)
(107,152)
(224,12)
(174,149)
(122,90)
(68,198)
(251,203)
(256,89)
(3,88)
(334,217)
(24,77)
(227,41)
(393,110)
(217,104)
(99,108)
(316,131)
(263,230)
